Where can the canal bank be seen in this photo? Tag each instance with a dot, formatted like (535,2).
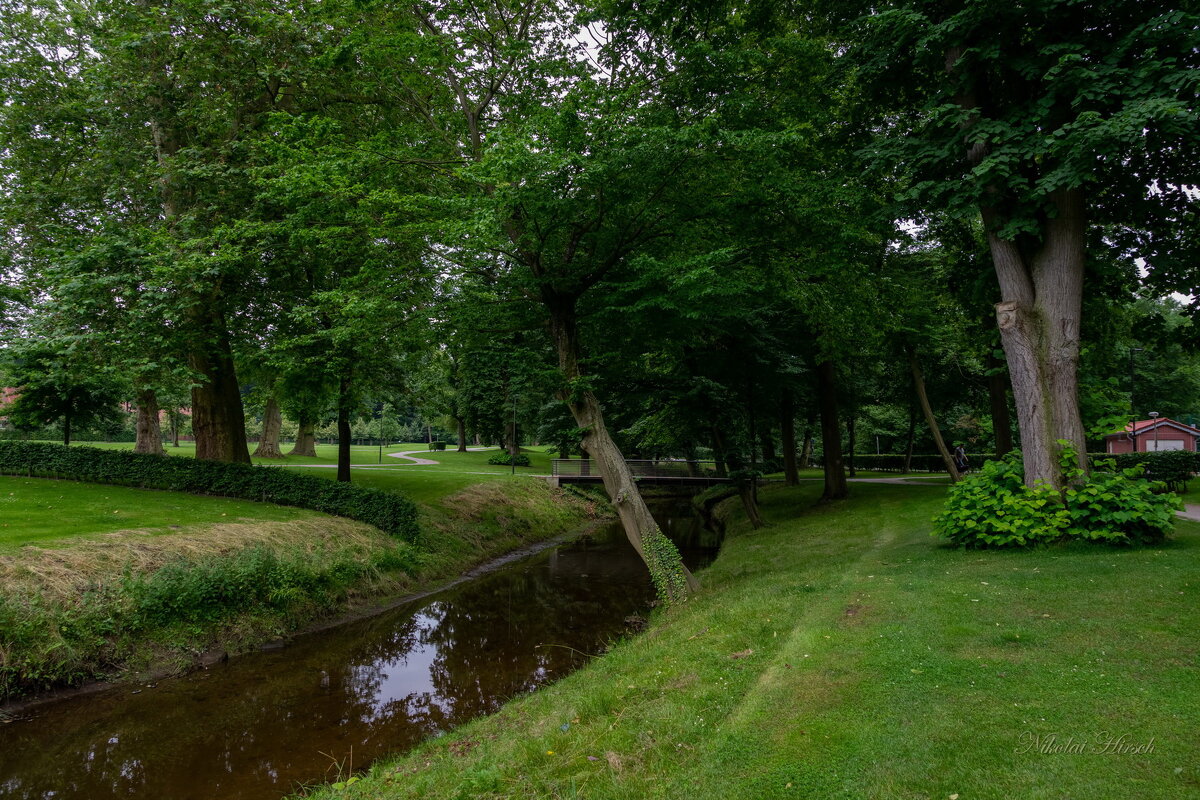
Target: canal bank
(139,604)
(260,726)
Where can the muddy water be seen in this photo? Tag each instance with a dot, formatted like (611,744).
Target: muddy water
(261,726)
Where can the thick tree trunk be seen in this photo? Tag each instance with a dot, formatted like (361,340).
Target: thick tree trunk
(648,540)
(998,399)
(922,397)
(718,442)
(268,443)
(462,434)
(149,431)
(306,439)
(787,430)
(218,421)
(1039,321)
(343,426)
(836,487)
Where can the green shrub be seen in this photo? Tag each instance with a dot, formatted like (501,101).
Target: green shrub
(390,512)
(437,445)
(994,507)
(503,459)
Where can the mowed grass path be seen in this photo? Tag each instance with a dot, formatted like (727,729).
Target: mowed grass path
(40,511)
(842,652)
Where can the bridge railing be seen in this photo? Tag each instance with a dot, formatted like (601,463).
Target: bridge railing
(644,468)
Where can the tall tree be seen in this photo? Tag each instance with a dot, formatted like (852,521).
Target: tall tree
(1046,120)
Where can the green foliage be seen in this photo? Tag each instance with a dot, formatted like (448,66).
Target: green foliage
(504,459)
(994,507)
(388,511)
(437,445)
(665,565)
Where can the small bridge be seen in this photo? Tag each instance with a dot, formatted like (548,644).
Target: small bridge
(647,472)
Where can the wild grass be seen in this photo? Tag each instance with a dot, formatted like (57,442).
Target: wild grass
(843,652)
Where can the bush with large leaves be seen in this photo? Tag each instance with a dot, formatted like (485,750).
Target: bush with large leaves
(994,508)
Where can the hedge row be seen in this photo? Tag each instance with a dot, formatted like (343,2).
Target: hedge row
(390,512)
(1171,466)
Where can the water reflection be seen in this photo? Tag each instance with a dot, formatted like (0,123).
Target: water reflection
(261,725)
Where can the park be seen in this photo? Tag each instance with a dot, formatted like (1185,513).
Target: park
(551,398)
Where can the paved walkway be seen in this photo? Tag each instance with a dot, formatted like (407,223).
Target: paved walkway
(414,459)
(1190,511)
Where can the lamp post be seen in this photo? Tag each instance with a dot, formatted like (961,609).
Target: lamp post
(1154,418)
(516,448)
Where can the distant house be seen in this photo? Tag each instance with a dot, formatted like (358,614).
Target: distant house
(1148,435)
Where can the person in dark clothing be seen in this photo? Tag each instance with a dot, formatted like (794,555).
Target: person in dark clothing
(961,463)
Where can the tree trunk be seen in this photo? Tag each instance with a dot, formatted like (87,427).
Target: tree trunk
(923,398)
(787,430)
(175,427)
(343,426)
(671,578)
(851,444)
(718,441)
(149,432)
(218,421)
(462,434)
(807,448)
(306,439)
(1039,319)
(836,487)
(67,429)
(912,435)
(268,443)
(998,399)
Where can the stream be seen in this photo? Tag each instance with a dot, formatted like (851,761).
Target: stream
(262,725)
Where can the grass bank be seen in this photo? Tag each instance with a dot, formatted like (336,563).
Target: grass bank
(98,582)
(842,652)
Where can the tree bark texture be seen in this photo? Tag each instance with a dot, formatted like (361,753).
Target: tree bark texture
(1039,319)
(67,429)
(343,426)
(218,421)
(998,399)
(787,431)
(149,431)
(659,554)
(462,434)
(923,398)
(806,449)
(836,487)
(306,439)
(912,436)
(268,443)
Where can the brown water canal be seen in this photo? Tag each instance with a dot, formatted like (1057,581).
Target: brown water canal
(260,726)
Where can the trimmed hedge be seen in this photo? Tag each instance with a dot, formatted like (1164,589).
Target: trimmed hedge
(437,445)
(390,512)
(1173,467)
(504,460)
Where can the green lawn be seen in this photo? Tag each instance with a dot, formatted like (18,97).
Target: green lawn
(38,510)
(842,652)
(426,484)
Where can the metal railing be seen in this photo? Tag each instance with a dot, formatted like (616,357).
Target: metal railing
(662,468)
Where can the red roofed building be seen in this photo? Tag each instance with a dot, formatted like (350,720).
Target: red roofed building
(1148,435)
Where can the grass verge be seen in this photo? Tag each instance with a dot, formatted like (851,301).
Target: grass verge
(92,595)
(842,652)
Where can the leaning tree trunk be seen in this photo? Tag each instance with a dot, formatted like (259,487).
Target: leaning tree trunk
(671,578)
(268,443)
(836,487)
(1039,318)
(912,436)
(787,430)
(306,438)
(149,431)
(923,397)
